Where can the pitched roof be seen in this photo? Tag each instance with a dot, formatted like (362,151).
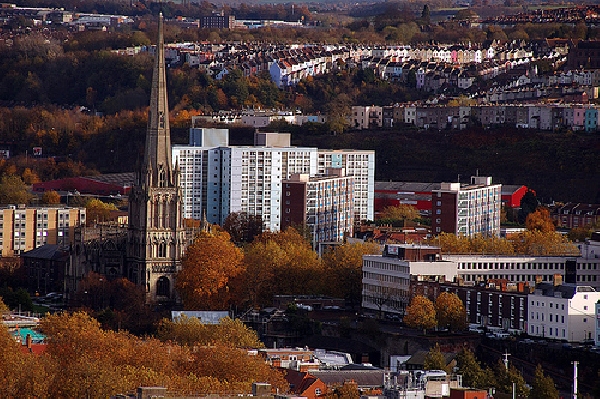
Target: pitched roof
(46,251)
(363,378)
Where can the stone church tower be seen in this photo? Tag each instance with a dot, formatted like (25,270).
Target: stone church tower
(156,237)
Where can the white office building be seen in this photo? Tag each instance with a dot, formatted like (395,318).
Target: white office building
(563,311)
(532,269)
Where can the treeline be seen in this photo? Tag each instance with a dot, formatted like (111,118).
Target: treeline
(82,360)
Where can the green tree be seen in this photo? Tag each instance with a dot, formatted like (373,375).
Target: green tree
(543,386)
(435,360)
(474,376)
(338,113)
(13,190)
(426,15)
(420,313)
(505,379)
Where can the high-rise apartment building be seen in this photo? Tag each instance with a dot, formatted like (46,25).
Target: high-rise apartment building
(26,228)
(219,180)
(323,205)
(467,209)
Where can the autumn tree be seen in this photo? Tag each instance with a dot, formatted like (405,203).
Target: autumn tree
(3,307)
(278,263)
(50,197)
(348,390)
(450,311)
(549,243)
(30,177)
(22,374)
(420,313)
(540,220)
(473,374)
(435,360)
(543,386)
(400,212)
(13,190)
(343,270)
(98,211)
(208,265)
(191,331)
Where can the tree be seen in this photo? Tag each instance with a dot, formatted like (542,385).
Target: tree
(474,376)
(98,211)
(540,220)
(400,212)
(420,313)
(543,386)
(338,112)
(243,227)
(348,390)
(505,379)
(208,265)
(190,331)
(435,360)
(50,197)
(3,307)
(426,15)
(450,311)
(281,263)
(528,204)
(13,190)
(343,270)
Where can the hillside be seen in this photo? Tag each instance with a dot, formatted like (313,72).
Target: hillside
(558,166)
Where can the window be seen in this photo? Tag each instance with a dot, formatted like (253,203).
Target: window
(318,391)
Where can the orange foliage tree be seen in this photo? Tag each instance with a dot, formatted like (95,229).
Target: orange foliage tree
(420,313)
(278,263)
(208,265)
(343,270)
(540,221)
(450,311)
(191,331)
(87,361)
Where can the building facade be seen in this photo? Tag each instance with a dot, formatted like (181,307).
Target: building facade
(156,238)
(563,311)
(386,277)
(324,206)
(25,228)
(225,179)
(467,209)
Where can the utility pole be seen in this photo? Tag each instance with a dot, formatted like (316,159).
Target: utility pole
(575,363)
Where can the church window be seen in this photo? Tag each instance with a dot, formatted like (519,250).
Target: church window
(163,286)
(162,250)
(161,176)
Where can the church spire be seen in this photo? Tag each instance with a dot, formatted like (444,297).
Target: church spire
(157,160)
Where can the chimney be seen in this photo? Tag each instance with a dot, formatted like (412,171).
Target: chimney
(557,280)
(28,341)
